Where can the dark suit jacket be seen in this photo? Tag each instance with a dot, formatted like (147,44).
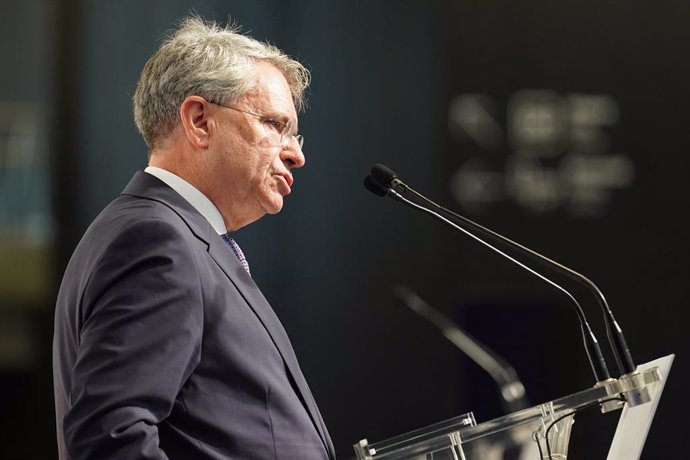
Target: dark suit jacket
(164,346)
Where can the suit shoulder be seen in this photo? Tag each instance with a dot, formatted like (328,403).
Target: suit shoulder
(128,213)
(130,225)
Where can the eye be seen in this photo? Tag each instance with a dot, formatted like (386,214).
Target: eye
(279,126)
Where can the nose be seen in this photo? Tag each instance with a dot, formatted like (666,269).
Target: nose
(292,154)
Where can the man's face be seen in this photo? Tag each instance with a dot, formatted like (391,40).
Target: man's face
(249,169)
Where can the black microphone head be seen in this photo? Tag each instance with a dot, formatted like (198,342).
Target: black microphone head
(371,185)
(383,175)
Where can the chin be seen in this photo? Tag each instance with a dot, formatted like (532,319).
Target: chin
(274,205)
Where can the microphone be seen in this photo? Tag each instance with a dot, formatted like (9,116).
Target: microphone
(371,185)
(511,389)
(388,182)
(386,178)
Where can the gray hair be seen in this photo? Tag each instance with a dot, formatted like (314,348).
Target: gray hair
(204,59)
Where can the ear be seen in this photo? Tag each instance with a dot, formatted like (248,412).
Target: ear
(196,121)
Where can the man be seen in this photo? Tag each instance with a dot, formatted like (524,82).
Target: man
(164,346)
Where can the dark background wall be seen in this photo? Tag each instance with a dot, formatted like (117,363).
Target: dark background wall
(561,125)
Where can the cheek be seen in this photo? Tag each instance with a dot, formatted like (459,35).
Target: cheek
(269,161)
(258,169)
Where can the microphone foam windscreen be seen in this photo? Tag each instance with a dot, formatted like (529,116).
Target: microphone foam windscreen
(371,185)
(382,175)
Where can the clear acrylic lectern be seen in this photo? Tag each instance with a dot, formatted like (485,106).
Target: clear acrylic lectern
(540,432)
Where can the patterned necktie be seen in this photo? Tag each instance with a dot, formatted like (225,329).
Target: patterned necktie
(236,250)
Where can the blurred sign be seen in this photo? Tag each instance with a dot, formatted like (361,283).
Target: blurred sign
(559,155)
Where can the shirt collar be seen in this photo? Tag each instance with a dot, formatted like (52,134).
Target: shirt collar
(190,193)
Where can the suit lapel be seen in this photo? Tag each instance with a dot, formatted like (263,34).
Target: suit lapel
(148,186)
(244,283)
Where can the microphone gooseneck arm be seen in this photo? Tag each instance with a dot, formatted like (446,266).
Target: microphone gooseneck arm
(596,358)
(511,389)
(615,335)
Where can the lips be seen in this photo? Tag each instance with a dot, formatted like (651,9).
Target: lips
(288,179)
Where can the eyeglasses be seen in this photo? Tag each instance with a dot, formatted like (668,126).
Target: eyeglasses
(282,128)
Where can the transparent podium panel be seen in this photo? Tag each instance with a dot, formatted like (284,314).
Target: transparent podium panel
(539,432)
(438,441)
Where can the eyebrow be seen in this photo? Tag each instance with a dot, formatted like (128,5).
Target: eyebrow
(287,120)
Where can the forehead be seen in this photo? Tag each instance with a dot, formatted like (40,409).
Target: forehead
(271,92)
